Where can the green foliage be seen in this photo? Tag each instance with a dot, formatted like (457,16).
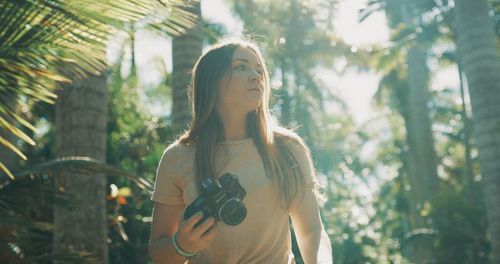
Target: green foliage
(135,142)
(367,208)
(213,32)
(26,222)
(462,229)
(45,42)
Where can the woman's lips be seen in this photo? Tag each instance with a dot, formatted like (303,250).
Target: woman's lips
(255,89)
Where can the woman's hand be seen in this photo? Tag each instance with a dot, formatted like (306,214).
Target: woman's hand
(193,239)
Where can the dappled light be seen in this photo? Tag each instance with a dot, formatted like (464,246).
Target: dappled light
(385,110)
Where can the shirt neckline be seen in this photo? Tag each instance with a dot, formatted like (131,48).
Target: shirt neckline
(237,141)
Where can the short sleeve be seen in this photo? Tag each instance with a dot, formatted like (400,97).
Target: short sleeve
(303,157)
(167,189)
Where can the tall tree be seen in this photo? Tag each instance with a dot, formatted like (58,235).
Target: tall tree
(420,137)
(422,162)
(186,48)
(81,116)
(477,49)
(420,159)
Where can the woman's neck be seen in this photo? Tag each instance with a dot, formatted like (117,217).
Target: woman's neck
(235,126)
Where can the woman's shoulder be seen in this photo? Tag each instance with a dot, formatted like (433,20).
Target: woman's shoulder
(288,138)
(177,151)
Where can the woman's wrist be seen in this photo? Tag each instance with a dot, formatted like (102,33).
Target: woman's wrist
(179,250)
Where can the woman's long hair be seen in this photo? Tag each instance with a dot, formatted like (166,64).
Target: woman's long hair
(206,129)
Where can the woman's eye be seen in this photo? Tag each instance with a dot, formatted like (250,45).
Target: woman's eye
(240,67)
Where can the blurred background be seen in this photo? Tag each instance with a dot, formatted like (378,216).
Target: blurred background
(397,99)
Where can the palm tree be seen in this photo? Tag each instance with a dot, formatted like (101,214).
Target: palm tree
(477,49)
(422,162)
(420,137)
(413,96)
(186,48)
(81,116)
(43,42)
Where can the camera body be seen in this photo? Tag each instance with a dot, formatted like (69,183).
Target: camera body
(221,199)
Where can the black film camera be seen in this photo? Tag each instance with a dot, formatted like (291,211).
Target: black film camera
(221,199)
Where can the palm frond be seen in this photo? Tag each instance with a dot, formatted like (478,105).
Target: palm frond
(82,164)
(48,41)
(6,170)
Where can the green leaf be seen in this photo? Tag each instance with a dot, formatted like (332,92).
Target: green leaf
(6,170)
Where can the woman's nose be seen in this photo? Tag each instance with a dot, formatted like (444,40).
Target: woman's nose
(255,75)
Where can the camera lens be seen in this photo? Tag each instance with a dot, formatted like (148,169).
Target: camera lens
(232,212)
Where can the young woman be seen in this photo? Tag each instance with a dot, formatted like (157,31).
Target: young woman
(233,132)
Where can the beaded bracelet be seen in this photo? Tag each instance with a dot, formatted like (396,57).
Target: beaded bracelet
(179,250)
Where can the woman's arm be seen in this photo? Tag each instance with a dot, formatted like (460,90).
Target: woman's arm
(312,238)
(166,222)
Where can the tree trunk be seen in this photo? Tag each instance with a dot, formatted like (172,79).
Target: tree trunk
(186,49)
(81,116)
(479,58)
(471,188)
(421,140)
(422,161)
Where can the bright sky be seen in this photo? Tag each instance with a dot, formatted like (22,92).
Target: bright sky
(358,88)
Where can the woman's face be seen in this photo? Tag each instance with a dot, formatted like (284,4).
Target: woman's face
(241,89)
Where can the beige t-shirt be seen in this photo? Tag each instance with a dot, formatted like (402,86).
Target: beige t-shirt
(264,235)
